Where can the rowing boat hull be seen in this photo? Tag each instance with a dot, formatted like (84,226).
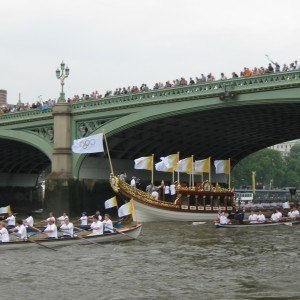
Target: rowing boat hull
(123,234)
(146,213)
(288,223)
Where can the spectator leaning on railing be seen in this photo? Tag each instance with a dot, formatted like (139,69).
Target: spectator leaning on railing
(44,105)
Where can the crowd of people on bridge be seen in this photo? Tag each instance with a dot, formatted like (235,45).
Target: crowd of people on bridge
(179,82)
(42,105)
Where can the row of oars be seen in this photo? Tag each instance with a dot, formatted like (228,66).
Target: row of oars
(77,236)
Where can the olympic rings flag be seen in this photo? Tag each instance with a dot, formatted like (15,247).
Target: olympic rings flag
(90,144)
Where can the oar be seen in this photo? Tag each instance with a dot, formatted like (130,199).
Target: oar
(87,240)
(131,237)
(35,242)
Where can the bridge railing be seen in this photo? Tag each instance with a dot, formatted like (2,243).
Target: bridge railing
(202,90)
(31,113)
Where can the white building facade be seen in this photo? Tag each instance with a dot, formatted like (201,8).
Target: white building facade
(285,148)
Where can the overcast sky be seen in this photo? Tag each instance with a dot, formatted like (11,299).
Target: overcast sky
(116,43)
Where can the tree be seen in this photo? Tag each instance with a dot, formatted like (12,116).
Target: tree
(270,169)
(293,167)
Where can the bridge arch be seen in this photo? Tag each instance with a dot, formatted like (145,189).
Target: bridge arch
(29,139)
(245,125)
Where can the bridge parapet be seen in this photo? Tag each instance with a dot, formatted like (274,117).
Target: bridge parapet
(204,90)
(25,115)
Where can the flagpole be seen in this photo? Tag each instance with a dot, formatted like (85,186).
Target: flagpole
(229,174)
(193,179)
(152,174)
(109,159)
(209,174)
(178,169)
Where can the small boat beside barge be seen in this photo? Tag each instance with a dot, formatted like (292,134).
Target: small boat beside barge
(265,224)
(122,234)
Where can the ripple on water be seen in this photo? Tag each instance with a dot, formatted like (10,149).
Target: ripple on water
(178,261)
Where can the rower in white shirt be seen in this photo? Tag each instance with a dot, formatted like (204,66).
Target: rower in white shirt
(279,214)
(29,220)
(67,228)
(252,217)
(51,217)
(97,213)
(11,220)
(223,219)
(83,219)
(294,213)
(20,230)
(96,226)
(4,236)
(275,217)
(108,224)
(261,217)
(51,230)
(62,218)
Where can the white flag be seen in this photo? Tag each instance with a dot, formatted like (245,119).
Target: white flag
(185,165)
(171,160)
(112,202)
(160,166)
(5,209)
(202,166)
(90,144)
(222,166)
(144,163)
(126,209)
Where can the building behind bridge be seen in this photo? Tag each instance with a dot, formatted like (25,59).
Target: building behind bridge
(3,97)
(285,148)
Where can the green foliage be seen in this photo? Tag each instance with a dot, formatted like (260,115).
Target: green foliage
(293,167)
(269,166)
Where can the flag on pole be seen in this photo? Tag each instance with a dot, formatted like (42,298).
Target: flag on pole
(90,144)
(126,209)
(160,166)
(144,163)
(202,166)
(222,166)
(185,165)
(171,160)
(112,202)
(5,209)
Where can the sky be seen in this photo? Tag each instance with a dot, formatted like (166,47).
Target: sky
(115,43)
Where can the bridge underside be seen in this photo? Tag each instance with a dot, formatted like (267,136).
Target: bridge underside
(20,164)
(232,132)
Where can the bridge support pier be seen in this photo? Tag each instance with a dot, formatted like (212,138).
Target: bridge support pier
(62,153)
(74,196)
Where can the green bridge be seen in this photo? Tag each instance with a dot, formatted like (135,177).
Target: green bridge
(191,119)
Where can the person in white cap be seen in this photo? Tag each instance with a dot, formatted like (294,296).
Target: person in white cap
(51,230)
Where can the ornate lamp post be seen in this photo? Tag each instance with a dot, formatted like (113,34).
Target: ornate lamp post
(62,74)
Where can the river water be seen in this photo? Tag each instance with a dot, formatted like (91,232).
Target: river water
(177,261)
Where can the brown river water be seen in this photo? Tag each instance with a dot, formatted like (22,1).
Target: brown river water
(177,261)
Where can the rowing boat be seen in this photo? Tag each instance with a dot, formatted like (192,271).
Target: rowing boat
(247,225)
(122,234)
